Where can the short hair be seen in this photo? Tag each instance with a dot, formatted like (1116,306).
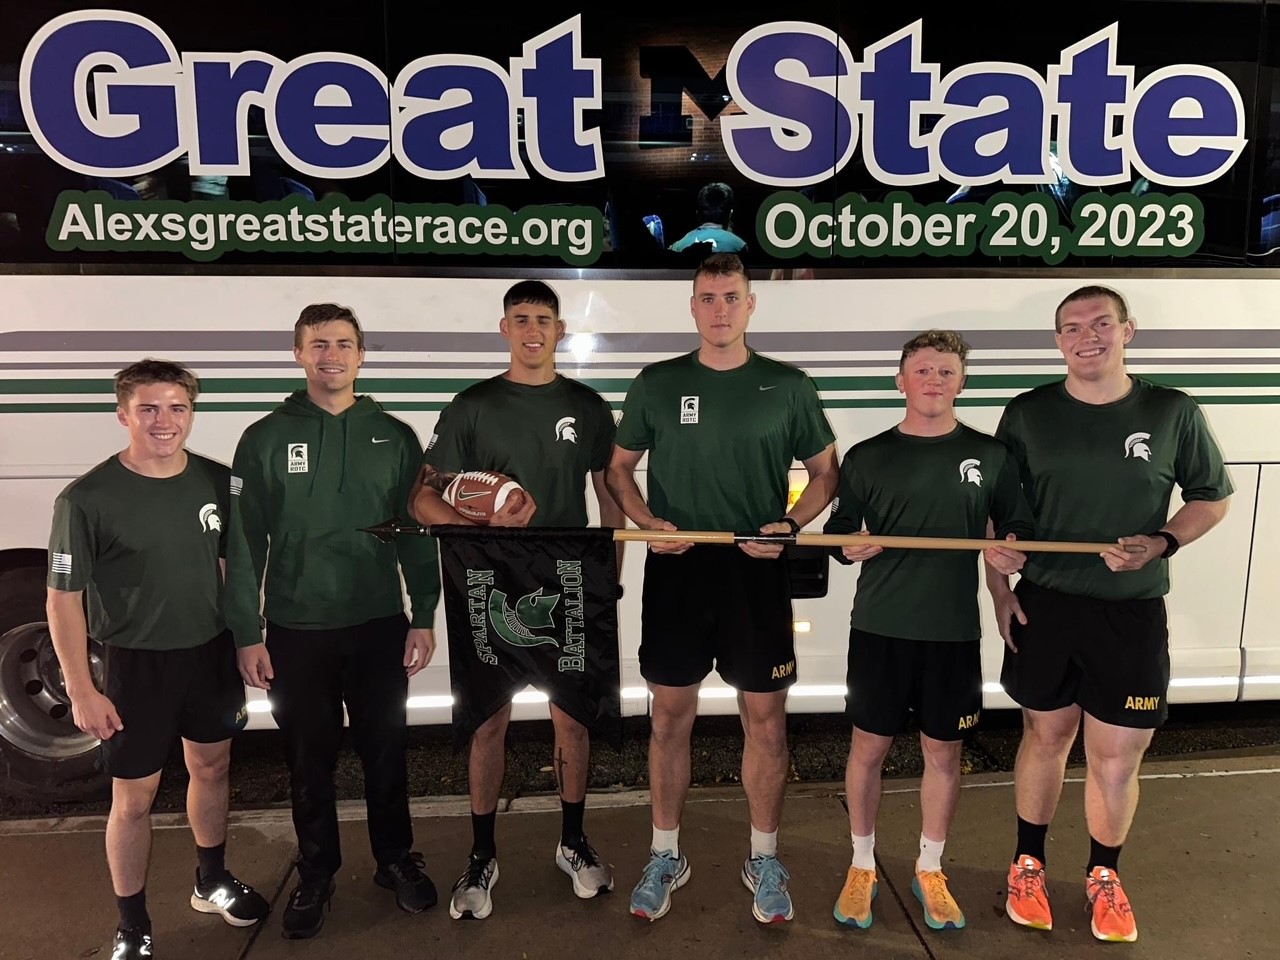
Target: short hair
(315,314)
(715,203)
(1089,293)
(944,341)
(149,371)
(532,291)
(722,265)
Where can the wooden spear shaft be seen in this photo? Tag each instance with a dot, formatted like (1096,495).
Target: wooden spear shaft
(857,540)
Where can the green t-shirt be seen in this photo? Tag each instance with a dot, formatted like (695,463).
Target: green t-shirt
(721,442)
(907,486)
(1098,472)
(548,437)
(145,551)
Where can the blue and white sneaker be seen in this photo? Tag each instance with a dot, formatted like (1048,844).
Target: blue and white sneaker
(767,878)
(664,873)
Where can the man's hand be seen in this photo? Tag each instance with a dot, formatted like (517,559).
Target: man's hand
(255,666)
(858,554)
(766,551)
(96,715)
(1134,553)
(1008,607)
(1004,560)
(419,648)
(516,512)
(666,546)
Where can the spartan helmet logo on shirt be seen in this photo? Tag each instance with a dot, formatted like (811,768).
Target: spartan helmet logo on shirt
(565,431)
(969,472)
(209,519)
(1135,445)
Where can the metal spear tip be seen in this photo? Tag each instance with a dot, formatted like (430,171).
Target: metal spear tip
(386,530)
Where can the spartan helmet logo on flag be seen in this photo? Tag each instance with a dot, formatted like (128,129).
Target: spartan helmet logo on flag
(969,472)
(565,431)
(1135,445)
(209,519)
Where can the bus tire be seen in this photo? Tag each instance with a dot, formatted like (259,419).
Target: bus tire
(43,756)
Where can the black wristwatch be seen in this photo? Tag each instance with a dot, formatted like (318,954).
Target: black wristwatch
(795,527)
(1172,542)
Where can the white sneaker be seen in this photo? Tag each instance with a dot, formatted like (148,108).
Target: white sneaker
(471,894)
(590,875)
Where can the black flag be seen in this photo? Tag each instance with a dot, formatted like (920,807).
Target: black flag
(531,607)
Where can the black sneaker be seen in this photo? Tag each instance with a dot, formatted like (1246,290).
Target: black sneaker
(131,944)
(304,915)
(239,904)
(414,890)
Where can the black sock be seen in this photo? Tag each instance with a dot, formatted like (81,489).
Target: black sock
(133,912)
(482,827)
(571,821)
(212,862)
(1031,840)
(1102,856)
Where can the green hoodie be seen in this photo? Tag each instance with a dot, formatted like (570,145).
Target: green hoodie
(303,484)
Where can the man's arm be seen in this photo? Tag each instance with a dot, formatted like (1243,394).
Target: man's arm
(620,478)
(824,477)
(611,514)
(1192,521)
(426,500)
(248,539)
(93,712)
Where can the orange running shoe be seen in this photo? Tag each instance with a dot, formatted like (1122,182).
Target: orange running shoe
(853,909)
(941,912)
(1028,901)
(1112,915)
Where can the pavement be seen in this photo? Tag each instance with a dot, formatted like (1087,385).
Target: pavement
(1200,868)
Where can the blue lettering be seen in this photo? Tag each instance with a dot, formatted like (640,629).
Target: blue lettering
(817,134)
(1090,92)
(892,88)
(123,120)
(981,145)
(221,91)
(557,85)
(331,116)
(1187,129)
(485,117)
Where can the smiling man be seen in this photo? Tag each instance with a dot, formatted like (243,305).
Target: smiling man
(305,479)
(1099,454)
(551,433)
(722,426)
(915,637)
(140,538)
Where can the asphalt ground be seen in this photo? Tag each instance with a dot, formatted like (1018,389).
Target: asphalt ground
(819,744)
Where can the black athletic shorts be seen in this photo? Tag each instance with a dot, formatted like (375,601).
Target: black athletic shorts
(195,693)
(716,605)
(1109,656)
(941,681)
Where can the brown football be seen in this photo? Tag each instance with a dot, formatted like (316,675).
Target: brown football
(478,494)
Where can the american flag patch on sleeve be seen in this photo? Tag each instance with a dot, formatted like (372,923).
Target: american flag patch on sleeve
(237,484)
(61,563)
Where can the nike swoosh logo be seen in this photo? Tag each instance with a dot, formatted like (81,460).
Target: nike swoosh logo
(376,440)
(772,387)
(472,494)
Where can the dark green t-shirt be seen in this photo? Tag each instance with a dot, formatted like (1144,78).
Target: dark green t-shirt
(145,551)
(721,442)
(548,437)
(1098,472)
(907,486)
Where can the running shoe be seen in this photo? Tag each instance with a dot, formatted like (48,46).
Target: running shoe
(131,944)
(853,907)
(471,894)
(651,898)
(1027,903)
(767,879)
(1112,916)
(590,875)
(238,903)
(941,912)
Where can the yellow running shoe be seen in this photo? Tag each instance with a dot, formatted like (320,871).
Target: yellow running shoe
(1112,916)
(941,912)
(1028,900)
(853,908)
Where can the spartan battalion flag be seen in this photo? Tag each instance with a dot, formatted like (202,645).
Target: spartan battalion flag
(530,607)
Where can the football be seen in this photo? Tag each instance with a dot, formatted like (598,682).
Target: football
(478,494)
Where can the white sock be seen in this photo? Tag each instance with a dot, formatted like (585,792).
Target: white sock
(667,840)
(930,855)
(764,844)
(864,851)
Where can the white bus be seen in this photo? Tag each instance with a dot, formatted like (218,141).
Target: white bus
(1215,334)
